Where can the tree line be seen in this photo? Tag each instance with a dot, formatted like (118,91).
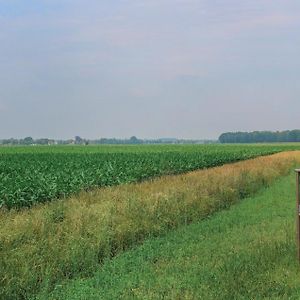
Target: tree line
(27,141)
(102,141)
(261,137)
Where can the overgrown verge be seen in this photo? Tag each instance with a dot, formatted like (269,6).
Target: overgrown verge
(46,244)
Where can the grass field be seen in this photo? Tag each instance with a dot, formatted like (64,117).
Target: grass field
(43,246)
(29,175)
(246,252)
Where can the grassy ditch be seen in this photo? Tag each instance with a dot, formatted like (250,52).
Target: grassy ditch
(47,244)
(247,252)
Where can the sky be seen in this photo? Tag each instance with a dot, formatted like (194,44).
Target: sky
(149,68)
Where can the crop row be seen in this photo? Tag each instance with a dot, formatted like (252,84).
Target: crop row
(35,175)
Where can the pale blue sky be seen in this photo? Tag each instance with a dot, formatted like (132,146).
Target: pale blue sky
(155,68)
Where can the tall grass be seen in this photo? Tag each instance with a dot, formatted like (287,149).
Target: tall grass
(247,252)
(46,244)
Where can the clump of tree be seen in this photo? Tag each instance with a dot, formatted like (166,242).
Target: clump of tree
(80,141)
(261,137)
(27,141)
(114,141)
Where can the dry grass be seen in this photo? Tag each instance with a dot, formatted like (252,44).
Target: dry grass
(41,246)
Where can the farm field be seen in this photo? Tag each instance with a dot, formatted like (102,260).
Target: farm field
(29,175)
(71,238)
(149,149)
(246,252)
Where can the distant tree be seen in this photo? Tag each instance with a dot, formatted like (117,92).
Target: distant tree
(78,140)
(28,141)
(260,137)
(9,142)
(42,141)
(134,140)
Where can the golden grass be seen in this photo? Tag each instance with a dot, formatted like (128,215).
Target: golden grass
(48,243)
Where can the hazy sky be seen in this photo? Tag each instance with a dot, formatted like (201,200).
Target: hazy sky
(150,68)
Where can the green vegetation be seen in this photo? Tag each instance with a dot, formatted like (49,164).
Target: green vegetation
(49,243)
(246,252)
(289,136)
(102,141)
(37,174)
